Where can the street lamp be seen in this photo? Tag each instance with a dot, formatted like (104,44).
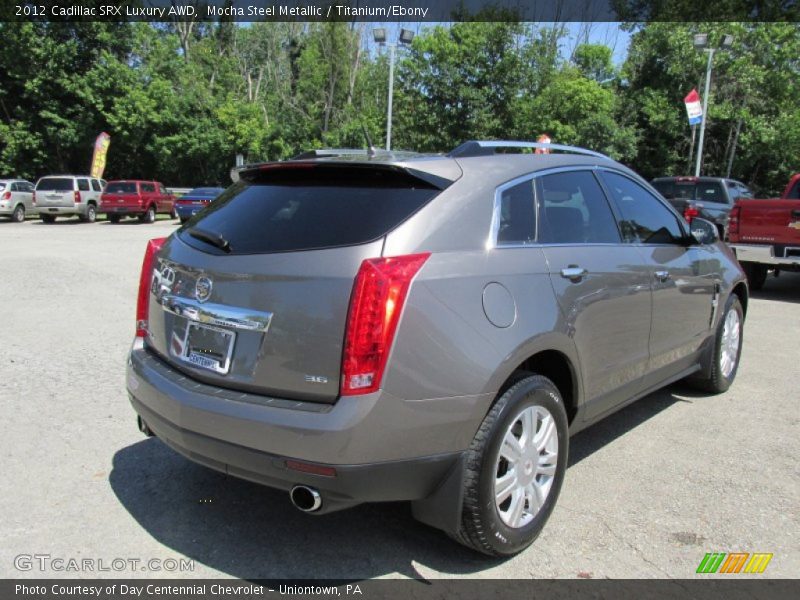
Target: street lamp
(701,43)
(406,37)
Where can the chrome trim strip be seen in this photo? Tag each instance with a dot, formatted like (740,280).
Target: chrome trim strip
(216,314)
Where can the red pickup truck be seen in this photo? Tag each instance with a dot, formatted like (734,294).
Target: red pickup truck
(135,198)
(765,234)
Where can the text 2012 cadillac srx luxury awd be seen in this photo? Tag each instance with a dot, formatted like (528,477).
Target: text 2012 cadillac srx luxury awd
(363,328)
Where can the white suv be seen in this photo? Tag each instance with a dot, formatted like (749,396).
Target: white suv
(68,195)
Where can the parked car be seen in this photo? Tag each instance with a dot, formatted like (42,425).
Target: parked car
(136,198)
(426,328)
(710,198)
(765,234)
(197,199)
(68,195)
(16,199)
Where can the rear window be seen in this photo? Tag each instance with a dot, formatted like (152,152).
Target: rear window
(309,208)
(710,191)
(121,187)
(56,184)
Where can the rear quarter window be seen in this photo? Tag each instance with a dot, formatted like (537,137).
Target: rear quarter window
(310,208)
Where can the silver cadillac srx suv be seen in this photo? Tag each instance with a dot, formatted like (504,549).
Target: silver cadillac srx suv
(392,327)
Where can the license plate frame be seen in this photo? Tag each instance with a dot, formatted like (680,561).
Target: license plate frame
(216,358)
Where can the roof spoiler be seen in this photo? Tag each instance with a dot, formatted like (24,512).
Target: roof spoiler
(490,147)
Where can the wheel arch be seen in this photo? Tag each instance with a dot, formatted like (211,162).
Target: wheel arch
(740,290)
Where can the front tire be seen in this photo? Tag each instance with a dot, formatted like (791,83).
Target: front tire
(727,350)
(514,468)
(19,214)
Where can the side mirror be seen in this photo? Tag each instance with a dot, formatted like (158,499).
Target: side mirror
(705,232)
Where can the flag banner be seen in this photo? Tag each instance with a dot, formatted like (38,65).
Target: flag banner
(693,107)
(99,157)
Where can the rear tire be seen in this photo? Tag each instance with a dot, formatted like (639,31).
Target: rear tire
(149,216)
(756,274)
(514,468)
(48,218)
(184,219)
(727,350)
(18,215)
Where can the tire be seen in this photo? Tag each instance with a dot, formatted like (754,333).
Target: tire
(91,214)
(184,219)
(173,214)
(756,274)
(149,216)
(724,361)
(113,218)
(18,216)
(48,218)
(492,527)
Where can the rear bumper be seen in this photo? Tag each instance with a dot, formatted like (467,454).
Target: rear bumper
(381,448)
(186,211)
(763,255)
(76,209)
(121,210)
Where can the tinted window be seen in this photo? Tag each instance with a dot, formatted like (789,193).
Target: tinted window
(574,210)
(14,187)
(517,215)
(121,187)
(794,193)
(28,187)
(644,217)
(303,209)
(148,188)
(96,186)
(665,188)
(83,185)
(56,184)
(162,189)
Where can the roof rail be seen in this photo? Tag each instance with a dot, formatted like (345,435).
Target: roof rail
(321,152)
(489,147)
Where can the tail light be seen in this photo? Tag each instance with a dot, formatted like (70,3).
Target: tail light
(733,223)
(379,293)
(7,196)
(145,280)
(690,212)
(77,197)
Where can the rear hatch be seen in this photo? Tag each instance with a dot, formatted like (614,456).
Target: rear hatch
(769,222)
(55,192)
(253,292)
(120,196)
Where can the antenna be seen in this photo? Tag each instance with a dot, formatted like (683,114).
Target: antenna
(370,147)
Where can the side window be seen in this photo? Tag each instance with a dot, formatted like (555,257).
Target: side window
(28,187)
(96,186)
(14,187)
(148,188)
(162,189)
(517,215)
(794,193)
(644,217)
(574,210)
(83,185)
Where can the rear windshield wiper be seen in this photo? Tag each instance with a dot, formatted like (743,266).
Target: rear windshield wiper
(215,239)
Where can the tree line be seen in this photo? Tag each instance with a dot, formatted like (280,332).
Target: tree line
(181,100)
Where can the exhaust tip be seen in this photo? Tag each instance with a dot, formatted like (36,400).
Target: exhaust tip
(305,498)
(143,426)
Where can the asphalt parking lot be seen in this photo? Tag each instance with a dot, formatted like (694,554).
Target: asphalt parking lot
(648,493)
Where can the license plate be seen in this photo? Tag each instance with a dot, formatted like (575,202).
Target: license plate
(208,347)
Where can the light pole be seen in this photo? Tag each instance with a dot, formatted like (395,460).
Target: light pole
(701,43)
(406,37)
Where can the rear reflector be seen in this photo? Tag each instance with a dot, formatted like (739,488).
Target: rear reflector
(145,280)
(296,465)
(379,293)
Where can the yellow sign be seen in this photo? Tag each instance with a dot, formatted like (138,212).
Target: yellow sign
(101,145)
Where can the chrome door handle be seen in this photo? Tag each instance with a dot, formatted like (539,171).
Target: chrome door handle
(573,273)
(662,275)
